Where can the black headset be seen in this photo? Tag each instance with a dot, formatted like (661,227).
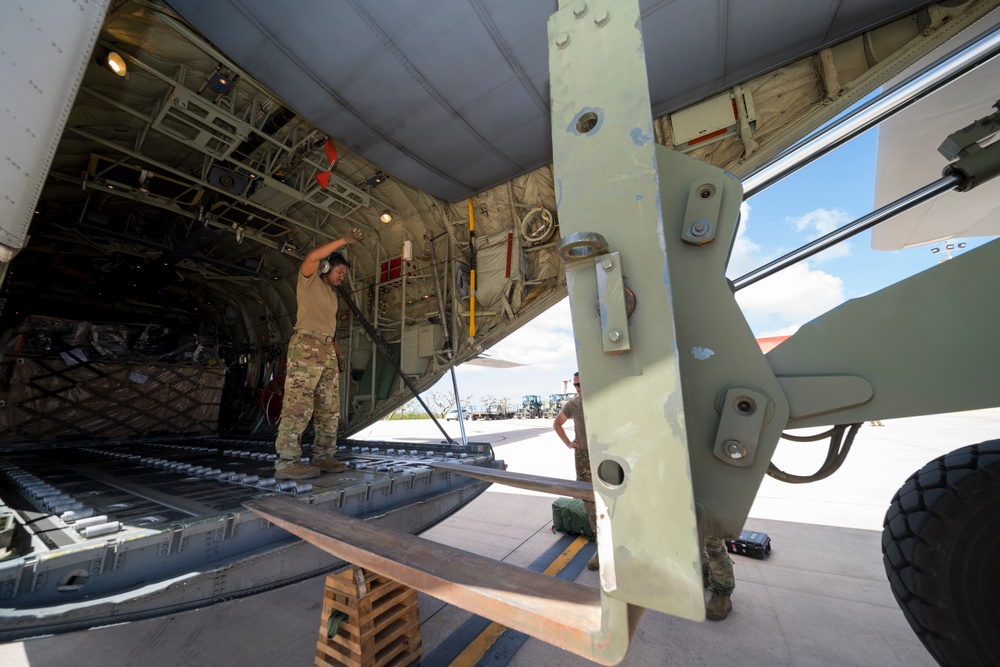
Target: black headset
(325,265)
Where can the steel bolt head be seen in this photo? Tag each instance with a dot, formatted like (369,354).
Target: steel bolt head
(607,264)
(734,449)
(562,41)
(615,336)
(601,18)
(699,228)
(580,10)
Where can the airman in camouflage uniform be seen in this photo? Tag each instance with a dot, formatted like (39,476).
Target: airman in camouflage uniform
(313,366)
(312,391)
(717,573)
(573,409)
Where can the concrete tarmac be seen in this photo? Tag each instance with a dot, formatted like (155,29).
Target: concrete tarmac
(820,599)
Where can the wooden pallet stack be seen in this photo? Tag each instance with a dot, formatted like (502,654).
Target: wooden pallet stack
(368,621)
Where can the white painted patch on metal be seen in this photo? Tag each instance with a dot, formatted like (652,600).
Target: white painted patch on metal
(701,353)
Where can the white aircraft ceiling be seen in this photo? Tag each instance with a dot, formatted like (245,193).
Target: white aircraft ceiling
(908,159)
(452,96)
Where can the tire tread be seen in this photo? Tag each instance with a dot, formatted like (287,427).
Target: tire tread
(920,528)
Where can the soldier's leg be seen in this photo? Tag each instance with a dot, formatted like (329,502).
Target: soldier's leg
(303,370)
(326,414)
(582,459)
(718,567)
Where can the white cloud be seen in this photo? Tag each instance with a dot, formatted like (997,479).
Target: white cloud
(777,305)
(789,298)
(746,255)
(820,222)
(545,342)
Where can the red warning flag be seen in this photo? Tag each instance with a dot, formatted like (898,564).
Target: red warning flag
(324,178)
(331,151)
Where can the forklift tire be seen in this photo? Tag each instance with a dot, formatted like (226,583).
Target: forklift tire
(940,545)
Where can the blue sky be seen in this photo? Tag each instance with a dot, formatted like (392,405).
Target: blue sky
(826,194)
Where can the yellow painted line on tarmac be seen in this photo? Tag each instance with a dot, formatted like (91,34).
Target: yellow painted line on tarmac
(478,647)
(563,559)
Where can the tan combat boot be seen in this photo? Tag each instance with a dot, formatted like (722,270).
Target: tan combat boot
(329,464)
(718,607)
(297,471)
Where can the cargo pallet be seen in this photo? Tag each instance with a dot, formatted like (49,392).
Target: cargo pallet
(368,621)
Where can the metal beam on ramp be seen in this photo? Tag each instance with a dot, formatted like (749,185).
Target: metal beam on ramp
(554,485)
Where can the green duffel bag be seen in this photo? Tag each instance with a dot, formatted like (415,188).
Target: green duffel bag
(570,516)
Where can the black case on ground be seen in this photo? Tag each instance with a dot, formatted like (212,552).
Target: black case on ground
(750,543)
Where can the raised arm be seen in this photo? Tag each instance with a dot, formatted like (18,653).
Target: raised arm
(312,259)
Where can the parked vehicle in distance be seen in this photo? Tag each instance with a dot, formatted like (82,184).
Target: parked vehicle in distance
(475,413)
(555,403)
(453,416)
(531,407)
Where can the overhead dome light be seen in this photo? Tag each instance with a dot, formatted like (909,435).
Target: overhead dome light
(117,64)
(220,82)
(386,216)
(112,61)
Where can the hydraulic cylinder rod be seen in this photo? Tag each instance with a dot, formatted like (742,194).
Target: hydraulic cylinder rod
(926,193)
(914,88)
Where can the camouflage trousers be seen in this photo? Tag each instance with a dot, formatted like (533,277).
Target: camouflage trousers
(312,391)
(582,459)
(717,566)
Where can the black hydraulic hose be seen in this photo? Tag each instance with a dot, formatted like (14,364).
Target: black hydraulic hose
(835,455)
(383,346)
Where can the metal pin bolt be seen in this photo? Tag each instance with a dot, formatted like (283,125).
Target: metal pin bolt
(601,18)
(562,41)
(615,336)
(580,10)
(699,228)
(734,449)
(607,264)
